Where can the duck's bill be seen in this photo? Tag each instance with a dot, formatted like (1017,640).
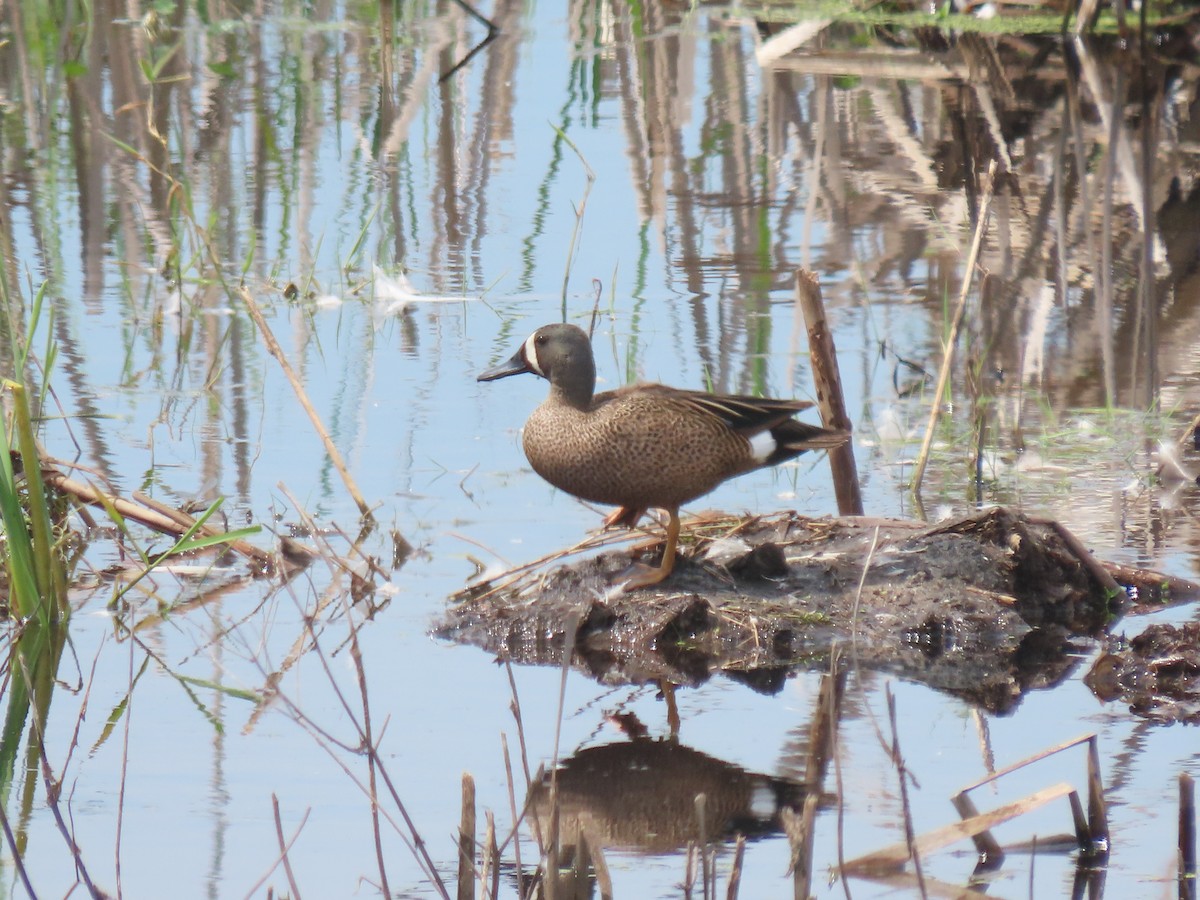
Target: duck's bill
(514,366)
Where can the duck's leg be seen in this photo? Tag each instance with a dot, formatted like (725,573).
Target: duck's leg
(668,692)
(623,517)
(645,576)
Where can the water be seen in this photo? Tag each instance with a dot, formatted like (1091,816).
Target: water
(309,146)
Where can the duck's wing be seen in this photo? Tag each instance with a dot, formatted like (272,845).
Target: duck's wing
(741,413)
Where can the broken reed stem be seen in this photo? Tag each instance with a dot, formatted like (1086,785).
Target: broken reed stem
(282,858)
(373,763)
(735,874)
(1097,805)
(831,401)
(1089,562)
(1033,848)
(512,808)
(284,846)
(706,874)
(910,835)
(17,859)
(466,840)
(152,516)
(491,860)
(1187,836)
(515,709)
(331,450)
(412,838)
(948,361)
(600,867)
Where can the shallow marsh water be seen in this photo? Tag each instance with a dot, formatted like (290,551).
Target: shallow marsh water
(322,147)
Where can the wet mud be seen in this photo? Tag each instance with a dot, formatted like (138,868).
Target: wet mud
(1157,673)
(984,607)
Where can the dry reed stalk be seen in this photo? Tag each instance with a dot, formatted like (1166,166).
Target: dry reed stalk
(600,865)
(466,840)
(512,808)
(1187,837)
(373,764)
(1081,553)
(910,836)
(491,859)
(153,515)
(959,311)
(53,786)
(285,846)
(1097,805)
(991,854)
(831,401)
(892,858)
(735,873)
(17,858)
(362,746)
(706,873)
(331,449)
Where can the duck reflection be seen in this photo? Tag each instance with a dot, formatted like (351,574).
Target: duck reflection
(640,795)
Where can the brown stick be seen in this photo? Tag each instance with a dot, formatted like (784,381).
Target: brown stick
(466,841)
(827,380)
(1093,566)
(157,519)
(331,450)
(1187,836)
(735,873)
(948,362)
(284,846)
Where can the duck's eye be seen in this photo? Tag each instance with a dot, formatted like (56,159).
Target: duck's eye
(540,340)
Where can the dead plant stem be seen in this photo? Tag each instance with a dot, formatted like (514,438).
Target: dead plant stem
(372,757)
(285,846)
(948,360)
(412,839)
(331,449)
(512,808)
(910,835)
(591,179)
(18,862)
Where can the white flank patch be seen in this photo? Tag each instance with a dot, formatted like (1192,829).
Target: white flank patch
(531,355)
(762,445)
(762,802)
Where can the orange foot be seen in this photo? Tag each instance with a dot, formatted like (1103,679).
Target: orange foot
(646,576)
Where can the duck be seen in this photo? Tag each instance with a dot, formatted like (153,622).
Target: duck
(646,445)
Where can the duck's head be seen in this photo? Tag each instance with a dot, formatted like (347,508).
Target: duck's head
(562,354)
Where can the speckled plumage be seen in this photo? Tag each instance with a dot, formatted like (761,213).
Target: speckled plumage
(645,445)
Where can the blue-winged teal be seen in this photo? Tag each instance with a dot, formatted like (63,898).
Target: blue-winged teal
(646,445)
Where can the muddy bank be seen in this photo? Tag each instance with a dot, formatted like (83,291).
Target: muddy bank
(1157,673)
(984,607)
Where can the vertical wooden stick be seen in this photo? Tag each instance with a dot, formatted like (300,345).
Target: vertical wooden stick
(735,874)
(466,841)
(1187,837)
(1097,807)
(827,381)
